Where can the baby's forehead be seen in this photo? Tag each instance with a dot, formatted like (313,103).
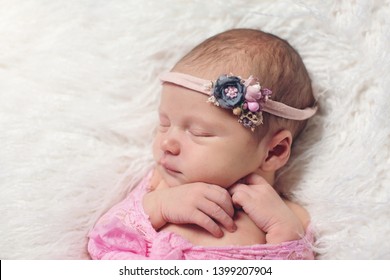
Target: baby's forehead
(178,102)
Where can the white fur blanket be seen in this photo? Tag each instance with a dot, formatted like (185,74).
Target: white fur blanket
(78,91)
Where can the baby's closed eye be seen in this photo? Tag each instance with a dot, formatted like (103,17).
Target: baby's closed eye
(199,132)
(163,127)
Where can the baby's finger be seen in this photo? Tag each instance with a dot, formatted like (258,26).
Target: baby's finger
(204,221)
(241,194)
(221,198)
(255,179)
(218,214)
(236,188)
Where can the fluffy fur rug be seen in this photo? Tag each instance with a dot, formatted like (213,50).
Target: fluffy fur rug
(78,91)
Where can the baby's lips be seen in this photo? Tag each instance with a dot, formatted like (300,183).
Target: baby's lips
(164,163)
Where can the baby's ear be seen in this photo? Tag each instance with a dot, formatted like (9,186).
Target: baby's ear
(279,150)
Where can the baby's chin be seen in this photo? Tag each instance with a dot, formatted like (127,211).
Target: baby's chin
(173,180)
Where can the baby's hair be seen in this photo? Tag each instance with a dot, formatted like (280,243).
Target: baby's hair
(245,52)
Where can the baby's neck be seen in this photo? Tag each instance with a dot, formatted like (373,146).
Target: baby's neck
(268,176)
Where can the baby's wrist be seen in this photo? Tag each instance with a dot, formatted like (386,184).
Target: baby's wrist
(153,210)
(285,232)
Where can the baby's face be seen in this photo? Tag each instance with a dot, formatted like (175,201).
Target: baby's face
(199,142)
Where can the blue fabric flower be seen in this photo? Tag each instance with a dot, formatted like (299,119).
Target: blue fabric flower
(229,92)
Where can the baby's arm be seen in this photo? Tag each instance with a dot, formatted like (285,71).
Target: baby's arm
(205,205)
(280,220)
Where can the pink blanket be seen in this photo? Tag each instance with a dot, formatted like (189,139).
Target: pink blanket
(125,232)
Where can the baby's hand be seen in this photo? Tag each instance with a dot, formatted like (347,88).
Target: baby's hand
(197,203)
(267,209)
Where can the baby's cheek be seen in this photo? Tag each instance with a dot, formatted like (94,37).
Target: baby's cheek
(156,148)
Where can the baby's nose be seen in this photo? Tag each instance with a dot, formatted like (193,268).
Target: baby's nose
(171,146)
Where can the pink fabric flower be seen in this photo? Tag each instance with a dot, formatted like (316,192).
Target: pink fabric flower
(252,97)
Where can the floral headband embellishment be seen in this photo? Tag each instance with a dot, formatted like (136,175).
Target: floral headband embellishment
(246,98)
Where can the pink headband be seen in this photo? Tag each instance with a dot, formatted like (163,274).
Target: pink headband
(246,98)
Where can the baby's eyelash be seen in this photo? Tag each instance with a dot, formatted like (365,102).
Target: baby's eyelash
(200,133)
(162,127)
